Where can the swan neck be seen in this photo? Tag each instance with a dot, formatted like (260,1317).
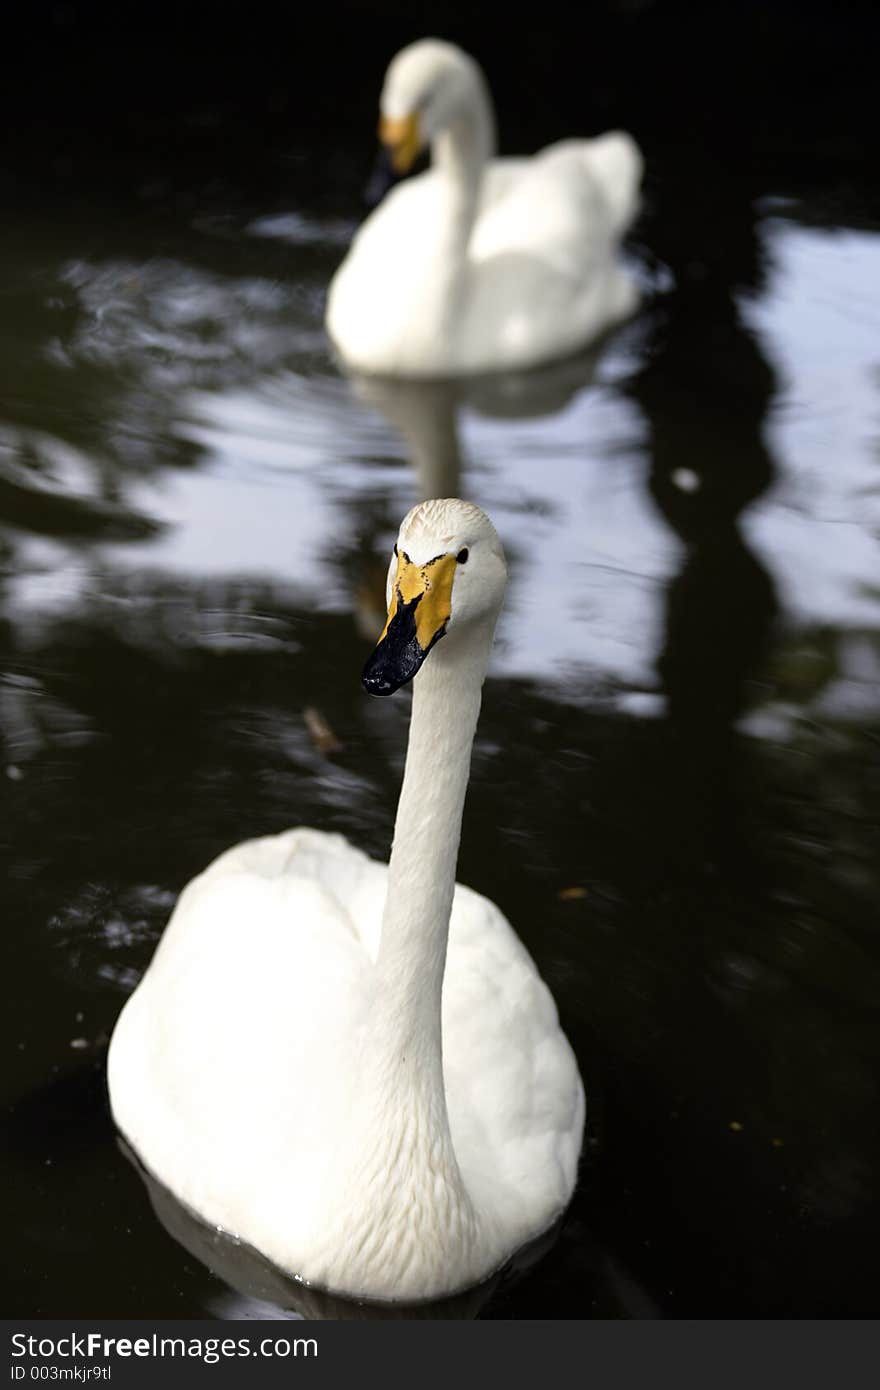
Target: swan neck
(431,430)
(401,1166)
(462,147)
(421,875)
(459,153)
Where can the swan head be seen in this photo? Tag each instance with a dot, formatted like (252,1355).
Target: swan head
(428,85)
(447,574)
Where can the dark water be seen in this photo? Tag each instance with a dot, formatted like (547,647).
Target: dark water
(676,787)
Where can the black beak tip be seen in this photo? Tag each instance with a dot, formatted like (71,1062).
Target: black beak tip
(399,655)
(377,678)
(380,180)
(377,685)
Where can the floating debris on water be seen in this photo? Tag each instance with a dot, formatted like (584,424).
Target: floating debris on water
(320,733)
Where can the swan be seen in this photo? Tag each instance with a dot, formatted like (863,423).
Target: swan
(282,1067)
(481,264)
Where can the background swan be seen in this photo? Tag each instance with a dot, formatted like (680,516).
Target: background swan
(481,264)
(280,1065)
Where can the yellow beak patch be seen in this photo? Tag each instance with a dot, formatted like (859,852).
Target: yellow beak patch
(431,584)
(403,140)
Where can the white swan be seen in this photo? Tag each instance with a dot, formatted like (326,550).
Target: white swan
(481,264)
(280,1067)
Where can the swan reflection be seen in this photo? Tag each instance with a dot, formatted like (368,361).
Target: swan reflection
(426,413)
(427,417)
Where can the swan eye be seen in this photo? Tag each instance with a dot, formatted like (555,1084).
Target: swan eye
(462,555)
(395,548)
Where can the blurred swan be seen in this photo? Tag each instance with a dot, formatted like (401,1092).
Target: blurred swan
(481,264)
(280,1067)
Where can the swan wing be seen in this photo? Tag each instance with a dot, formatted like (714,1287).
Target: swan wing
(566,205)
(544,276)
(515,1097)
(231,1064)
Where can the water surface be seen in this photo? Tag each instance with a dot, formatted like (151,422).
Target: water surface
(675,791)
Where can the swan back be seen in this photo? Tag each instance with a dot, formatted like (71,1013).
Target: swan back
(615,162)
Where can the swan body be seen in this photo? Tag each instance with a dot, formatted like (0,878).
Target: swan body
(481,264)
(355,1067)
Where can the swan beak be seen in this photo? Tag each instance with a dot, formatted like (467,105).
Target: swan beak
(402,139)
(420,608)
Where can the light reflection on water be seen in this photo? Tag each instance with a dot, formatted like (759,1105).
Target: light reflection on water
(197,510)
(284,458)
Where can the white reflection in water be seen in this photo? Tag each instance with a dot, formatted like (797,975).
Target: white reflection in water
(297,471)
(301,230)
(171,319)
(590,552)
(817,527)
(289,465)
